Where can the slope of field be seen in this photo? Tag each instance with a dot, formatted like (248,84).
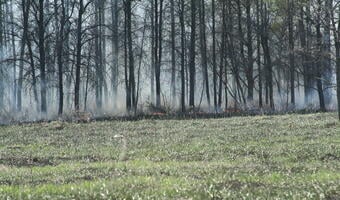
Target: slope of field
(265,157)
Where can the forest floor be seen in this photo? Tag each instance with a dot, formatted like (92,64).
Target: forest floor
(264,157)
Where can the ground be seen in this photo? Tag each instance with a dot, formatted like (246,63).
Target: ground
(264,157)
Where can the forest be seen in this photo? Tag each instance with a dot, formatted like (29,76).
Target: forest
(126,56)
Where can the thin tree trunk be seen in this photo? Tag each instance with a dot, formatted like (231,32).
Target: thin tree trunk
(60,50)
(291,50)
(158,49)
(214,48)
(319,60)
(115,50)
(337,48)
(78,55)
(2,75)
(173,52)
(223,59)
(203,44)
(192,67)
(183,49)
(258,22)
(250,68)
(267,57)
(327,72)
(42,56)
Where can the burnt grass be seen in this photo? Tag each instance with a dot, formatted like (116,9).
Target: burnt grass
(289,156)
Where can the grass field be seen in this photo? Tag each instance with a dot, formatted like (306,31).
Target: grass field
(264,157)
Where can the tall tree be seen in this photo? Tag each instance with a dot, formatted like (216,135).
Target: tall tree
(2,73)
(129,58)
(213,15)
(267,55)
(291,49)
(327,72)
(42,56)
(183,50)
(61,32)
(336,32)
(115,50)
(319,58)
(250,59)
(158,47)
(223,60)
(173,51)
(79,44)
(25,5)
(258,38)
(192,54)
(203,47)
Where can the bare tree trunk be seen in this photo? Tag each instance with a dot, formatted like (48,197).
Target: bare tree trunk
(78,55)
(213,15)
(2,75)
(240,61)
(319,60)
(98,55)
(250,68)
(267,57)
(192,67)
(13,101)
(258,23)
(129,56)
(126,72)
(223,63)
(183,49)
(115,50)
(203,45)
(42,56)
(153,52)
(173,52)
(337,48)
(338,72)
(60,50)
(158,49)
(25,13)
(291,50)
(304,57)
(327,72)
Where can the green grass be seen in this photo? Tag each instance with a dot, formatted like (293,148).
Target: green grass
(264,157)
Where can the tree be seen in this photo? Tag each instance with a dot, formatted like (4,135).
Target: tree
(129,59)
(182,10)
(115,50)
(2,74)
(203,45)
(291,49)
(42,56)
(213,15)
(267,56)
(60,50)
(336,33)
(79,33)
(158,48)
(319,59)
(250,59)
(327,72)
(173,51)
(192,54)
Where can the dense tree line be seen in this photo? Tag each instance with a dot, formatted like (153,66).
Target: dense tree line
(62,55)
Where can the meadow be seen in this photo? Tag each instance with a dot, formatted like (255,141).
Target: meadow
(262,157)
